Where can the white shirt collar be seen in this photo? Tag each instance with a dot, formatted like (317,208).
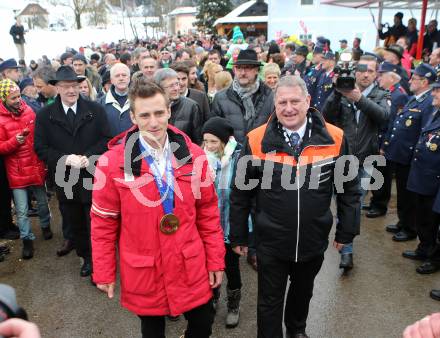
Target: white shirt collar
(186,93)
(421,94)
(153,151)
(301,130)
(66,108)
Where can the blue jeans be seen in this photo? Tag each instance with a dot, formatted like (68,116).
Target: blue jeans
(22,207)
(362,174)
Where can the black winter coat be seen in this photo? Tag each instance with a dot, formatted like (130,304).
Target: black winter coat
(293,223)
(186,116)
(362,137)
(202,100)
(17,33)
(54,139)
(228,104)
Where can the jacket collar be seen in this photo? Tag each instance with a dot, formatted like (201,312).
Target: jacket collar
(316,134)
(110,99)
(133,159)
(58,115)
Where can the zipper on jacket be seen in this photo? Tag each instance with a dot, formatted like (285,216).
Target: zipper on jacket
(298,194)
(298,218)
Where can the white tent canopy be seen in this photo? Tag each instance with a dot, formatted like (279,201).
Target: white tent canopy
(424,5)
(385,4)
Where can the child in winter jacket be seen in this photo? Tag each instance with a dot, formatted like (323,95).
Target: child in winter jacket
(222,151)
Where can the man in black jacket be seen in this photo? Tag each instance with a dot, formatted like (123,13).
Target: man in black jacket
(359,112)
(291,165)
(200,97)
(248,102)
(17,32)
(185,113)
(394,32)
(69,134)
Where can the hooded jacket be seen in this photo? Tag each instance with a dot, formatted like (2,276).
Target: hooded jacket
(161,274)
(23,167)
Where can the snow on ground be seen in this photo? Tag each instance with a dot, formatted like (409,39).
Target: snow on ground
(52,43)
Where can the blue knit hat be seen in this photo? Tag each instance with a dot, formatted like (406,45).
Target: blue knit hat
(237,34)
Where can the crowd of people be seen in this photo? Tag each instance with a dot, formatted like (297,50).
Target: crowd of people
(173,157)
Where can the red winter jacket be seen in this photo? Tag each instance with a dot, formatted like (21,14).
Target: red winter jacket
(161,274)
(23,167)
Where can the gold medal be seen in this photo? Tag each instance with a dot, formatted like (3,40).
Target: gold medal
(433,147)
(408,123)
(169,224)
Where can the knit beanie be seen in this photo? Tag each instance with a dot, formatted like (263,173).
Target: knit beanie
(7,87)
(219,127)
(237,34)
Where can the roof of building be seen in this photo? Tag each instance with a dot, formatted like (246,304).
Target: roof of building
(235,15)
(183,10)
(33,9)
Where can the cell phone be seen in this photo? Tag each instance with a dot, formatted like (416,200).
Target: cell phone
(25,132)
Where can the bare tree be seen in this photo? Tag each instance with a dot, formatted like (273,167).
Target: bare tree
(79,7)
(98,12)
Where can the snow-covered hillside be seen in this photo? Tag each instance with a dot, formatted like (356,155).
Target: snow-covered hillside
(52,43)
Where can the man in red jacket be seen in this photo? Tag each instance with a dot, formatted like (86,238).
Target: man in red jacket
(154,201)
(23,168)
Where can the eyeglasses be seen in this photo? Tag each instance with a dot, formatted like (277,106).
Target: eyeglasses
(172,85)
(245,68)
(73,86)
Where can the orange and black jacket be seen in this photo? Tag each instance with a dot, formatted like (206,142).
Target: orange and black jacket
(289,222)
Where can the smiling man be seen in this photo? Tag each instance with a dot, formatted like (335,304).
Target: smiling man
(115,102)
(168,238)
(292,224)
(67,133)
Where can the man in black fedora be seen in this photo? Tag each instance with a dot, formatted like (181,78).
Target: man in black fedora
(247,104)
(69,134)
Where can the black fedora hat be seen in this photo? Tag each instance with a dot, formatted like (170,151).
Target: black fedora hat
(65,73)
(247,57)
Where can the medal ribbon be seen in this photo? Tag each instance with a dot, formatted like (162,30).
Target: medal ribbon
(166,188)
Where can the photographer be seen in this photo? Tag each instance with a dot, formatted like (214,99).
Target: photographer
(394,32)
(359,112)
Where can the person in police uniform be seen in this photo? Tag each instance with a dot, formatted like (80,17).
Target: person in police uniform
(388,78)
(398,148)
(324,83)
(424,182)
(314,71)
(435,293)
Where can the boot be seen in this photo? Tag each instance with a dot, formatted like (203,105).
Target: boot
(28,249)
(47,233)
(233,315)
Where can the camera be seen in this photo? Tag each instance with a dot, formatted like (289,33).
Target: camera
(8,304)
(385,25)
(345,69)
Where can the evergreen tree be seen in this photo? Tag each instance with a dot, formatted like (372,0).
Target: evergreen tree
(209,11)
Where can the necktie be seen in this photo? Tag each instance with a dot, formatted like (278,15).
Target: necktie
(71,117)
(295,142)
